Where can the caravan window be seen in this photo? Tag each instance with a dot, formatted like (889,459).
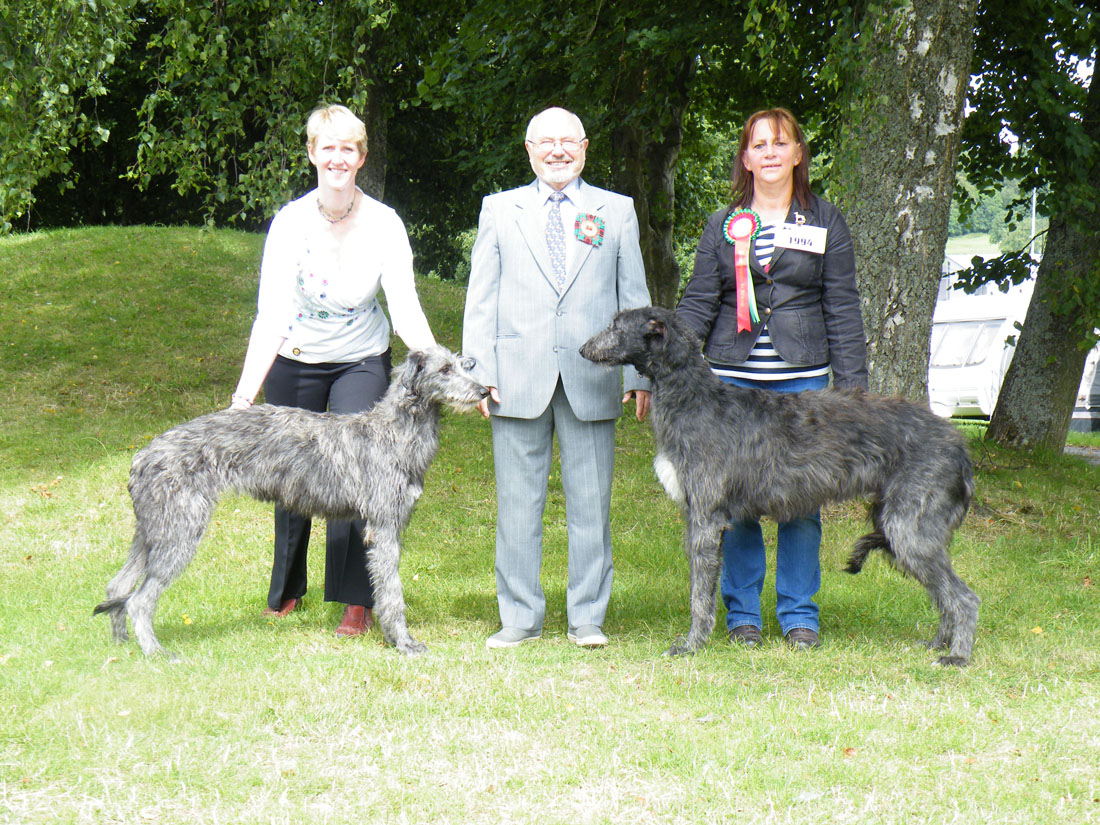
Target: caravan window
(964,343)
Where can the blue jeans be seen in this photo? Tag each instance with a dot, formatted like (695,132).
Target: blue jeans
(798,561)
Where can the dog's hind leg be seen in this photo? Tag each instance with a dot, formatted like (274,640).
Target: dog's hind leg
(958,606)
(383,556)
(927,561)
(141,606)
(702,543)
(123,583)
(169,554)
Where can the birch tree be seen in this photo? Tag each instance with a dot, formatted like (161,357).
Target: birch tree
(902,82)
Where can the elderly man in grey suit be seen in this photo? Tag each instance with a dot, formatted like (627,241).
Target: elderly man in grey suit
(552,264)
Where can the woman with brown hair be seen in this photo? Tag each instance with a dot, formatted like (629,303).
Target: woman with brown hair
(773,296)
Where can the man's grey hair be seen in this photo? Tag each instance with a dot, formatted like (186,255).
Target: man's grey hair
(532,127)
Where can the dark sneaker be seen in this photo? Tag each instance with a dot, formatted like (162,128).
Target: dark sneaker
(802,638)
(746,634)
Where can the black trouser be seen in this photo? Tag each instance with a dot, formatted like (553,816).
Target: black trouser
(339,388)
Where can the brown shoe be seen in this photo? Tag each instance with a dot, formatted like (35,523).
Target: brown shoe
(746,634)
(802,638)
(286,607)
(357,621)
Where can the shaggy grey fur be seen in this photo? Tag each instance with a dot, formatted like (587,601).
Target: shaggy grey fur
(367,465)
(730,453)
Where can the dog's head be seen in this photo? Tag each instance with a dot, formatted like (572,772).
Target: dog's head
(650,339)
(438,376)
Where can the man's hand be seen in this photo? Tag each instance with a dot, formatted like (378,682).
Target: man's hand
(483,404)
(641,402)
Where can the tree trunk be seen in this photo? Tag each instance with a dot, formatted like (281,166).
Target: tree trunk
(895,173)
(648,150)
(1037,397)
(1039,390)
(372,177)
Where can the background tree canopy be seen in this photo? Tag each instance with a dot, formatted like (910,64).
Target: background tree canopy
(116,111)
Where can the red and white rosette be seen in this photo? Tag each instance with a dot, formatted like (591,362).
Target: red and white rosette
(741,226)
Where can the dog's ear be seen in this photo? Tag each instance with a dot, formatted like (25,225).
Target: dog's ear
(413,366)
(656,328)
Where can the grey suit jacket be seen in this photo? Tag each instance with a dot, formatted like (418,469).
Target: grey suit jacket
(522,332)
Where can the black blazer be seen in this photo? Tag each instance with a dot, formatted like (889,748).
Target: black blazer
(809,301)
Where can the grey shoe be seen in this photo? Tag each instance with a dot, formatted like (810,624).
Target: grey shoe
(746,634)
(512,637)
(587,635)
(802,638)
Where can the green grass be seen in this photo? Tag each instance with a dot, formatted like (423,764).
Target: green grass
(973,244)
(112,335)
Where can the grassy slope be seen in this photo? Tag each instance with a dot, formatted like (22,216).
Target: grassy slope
(112,335)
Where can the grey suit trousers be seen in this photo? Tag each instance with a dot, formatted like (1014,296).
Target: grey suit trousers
(522,450)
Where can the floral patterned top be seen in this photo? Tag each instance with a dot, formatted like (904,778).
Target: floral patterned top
(322,293)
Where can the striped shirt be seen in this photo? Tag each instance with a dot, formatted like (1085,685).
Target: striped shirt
(764,363)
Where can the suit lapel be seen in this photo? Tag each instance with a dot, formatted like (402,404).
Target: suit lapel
(529,223)
(531,228)
(593,203)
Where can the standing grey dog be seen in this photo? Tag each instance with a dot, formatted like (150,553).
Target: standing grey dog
(366,465)
(727,453)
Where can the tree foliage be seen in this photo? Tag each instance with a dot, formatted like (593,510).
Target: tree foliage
(234,82)
(1031,84)
(53,56)
(213,99)
(642,76)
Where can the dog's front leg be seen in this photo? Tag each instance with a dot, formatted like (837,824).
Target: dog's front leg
(702,543)
(383,556)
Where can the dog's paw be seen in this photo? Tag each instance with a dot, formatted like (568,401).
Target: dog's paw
(412,647)
(952,661)
(679,649)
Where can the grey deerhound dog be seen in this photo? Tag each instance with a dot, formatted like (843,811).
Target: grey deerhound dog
(367,465)
(730,453)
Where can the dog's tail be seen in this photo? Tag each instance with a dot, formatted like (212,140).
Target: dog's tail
(112,606)
(872,541)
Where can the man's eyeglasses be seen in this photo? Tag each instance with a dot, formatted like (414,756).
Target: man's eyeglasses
(546,145)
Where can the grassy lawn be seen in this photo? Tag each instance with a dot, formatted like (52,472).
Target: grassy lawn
(967,246)
(113,335)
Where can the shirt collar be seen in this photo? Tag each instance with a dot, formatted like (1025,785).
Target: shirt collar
(572,192)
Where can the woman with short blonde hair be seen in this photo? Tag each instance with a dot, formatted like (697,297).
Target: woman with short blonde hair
(321,341)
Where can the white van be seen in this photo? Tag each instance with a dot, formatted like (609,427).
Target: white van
(1086,414)
(973,341)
